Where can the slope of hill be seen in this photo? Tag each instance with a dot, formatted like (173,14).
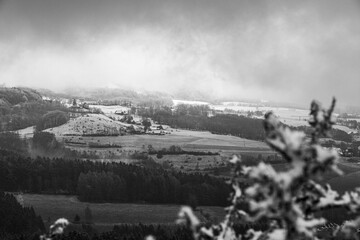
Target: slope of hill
(13,96)
(89,125)
(23,107)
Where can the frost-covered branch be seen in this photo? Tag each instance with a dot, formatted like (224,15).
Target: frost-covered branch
(56,228)
(288,199)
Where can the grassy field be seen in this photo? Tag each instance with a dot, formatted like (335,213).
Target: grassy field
(26,132)
(56,206)
(72,134)
(192,140)
(200,141)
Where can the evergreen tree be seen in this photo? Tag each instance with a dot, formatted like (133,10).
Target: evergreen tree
(88,215)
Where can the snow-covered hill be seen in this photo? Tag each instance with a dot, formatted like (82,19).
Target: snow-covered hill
(90,124)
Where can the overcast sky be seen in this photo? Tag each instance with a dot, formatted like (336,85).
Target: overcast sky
(290,51)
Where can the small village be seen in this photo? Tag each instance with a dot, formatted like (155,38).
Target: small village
(125,118)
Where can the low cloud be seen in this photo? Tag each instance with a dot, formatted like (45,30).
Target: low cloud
(288,51)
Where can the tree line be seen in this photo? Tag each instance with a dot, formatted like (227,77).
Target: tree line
(26,114)
(177,150)
(335,134)
(42,144)
(16,220)
(197,118)
(108,182)
(220,124)
(52,119)
(24,107)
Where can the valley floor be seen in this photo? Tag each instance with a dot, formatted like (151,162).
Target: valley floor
(52,207)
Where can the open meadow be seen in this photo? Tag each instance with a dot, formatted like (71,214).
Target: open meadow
(52,207)
(186,139)
(224,146)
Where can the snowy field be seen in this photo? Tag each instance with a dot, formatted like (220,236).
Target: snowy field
(290,116)
(111,109)
(26,132)
(177,102)
(87,125)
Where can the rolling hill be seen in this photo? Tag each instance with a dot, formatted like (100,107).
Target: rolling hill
(89,125)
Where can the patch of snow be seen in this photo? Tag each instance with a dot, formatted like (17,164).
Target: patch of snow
(177,102)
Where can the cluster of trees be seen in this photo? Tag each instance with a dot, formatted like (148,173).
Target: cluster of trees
(52,119)
(103,186)
(353,124)
(12,141)
(16,219)
(152,187)
(26,114)
(45,144)
(220,124)
(228,124)
(45,141)
(250,160)
(42,144)
(146,123)
(247,160)
(353,147)
(180,110)
(13,96)
(177,150)
(335,134)
(193,110)
(117,182)
(41,175)
(340,135)
(23,107)
(196,118)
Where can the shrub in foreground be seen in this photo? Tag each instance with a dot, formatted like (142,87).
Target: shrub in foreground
(288,201)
